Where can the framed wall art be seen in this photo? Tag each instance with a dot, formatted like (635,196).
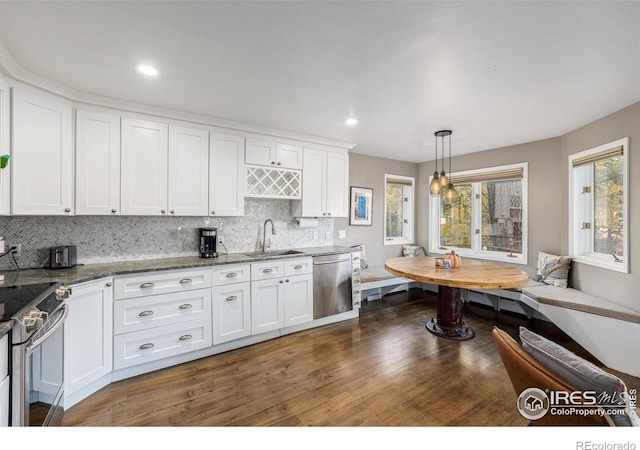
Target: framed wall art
(360,206)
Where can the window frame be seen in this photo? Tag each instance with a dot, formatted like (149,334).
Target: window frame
(476,251)
(575,246)
(408,229)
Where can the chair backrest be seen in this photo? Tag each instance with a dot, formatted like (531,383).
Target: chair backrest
(525,372)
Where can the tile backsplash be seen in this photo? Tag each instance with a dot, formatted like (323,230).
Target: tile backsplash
(116,238)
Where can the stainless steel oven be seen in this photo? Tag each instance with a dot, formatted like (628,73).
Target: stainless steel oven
(37,362)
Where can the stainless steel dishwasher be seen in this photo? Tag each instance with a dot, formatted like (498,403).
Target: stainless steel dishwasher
(331,285)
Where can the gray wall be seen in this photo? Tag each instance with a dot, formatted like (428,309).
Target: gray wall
(110,239)
(369,171)
(617,287)
(545,192)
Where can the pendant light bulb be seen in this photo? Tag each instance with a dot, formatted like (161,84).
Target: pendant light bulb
(435,188)
(444,180)
(450,194)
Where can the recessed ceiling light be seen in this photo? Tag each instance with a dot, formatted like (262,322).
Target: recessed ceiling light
(148,70)
(351,121)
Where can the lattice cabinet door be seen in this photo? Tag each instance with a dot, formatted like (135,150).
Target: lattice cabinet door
(265,182)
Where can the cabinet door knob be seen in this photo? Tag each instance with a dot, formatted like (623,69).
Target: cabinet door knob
(113,211)
(328,214)
(146,285)
(281,281)
(185,306)
(273,162)
(108,284)
(324,214)
(146,313)
(67,210)
(213,212)
(185,337)
(279,163)
(172,211)
(287,280)
(163,211)
(146,346)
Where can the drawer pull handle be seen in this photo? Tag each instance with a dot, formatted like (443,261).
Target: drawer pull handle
(298,266)
(356,258)
(146,285)
(108,284)
(356,281)
(146,313)
(185,306)
(267,271)
(356,292)
(146,346)
(232,298)
(185,337)
(186,281)
(232,275)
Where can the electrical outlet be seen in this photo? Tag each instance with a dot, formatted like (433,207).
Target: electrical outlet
(342,234)
(220,239)
(17,250)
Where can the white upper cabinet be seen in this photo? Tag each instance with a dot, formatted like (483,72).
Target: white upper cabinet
(42,155)
(270,153)
(337,184)
(325,184)
(144,167)
(188,171)
(227,177)
(5,142)
(97,163)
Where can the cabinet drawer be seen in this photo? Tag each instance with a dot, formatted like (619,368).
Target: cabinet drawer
(164,282)
(298,266)
(148,312)
(229,274)
(267,270)
(151,345)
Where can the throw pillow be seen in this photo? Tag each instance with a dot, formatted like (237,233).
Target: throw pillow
(413,250)
(363,256)
(553,269)
(581,374)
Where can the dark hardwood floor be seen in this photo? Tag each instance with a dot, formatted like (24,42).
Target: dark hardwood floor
(383,369)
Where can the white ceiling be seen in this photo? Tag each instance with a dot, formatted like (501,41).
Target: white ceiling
(496,73)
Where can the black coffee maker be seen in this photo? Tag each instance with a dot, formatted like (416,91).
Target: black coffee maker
(208,242)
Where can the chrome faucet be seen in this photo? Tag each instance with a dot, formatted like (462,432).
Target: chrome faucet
(267,243)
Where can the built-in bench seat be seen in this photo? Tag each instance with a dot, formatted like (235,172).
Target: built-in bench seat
(577,300)
(376,282)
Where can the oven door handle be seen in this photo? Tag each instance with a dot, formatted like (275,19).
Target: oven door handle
(30,348)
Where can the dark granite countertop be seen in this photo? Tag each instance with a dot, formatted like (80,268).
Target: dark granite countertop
(88,272)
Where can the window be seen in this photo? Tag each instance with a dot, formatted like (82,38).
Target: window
(598,206)
(398,209)
(489,218)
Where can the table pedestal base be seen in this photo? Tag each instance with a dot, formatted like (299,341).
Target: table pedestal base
(449,323)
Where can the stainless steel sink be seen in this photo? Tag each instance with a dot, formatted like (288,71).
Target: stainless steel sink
(272,253)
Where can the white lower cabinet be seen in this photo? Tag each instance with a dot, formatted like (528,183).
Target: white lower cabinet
(4,381)
(88,339)
(231,312)
(161,314)
(283,294)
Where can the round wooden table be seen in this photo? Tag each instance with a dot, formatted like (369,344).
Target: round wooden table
(471,274)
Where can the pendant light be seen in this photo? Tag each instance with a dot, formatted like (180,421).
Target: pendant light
(434,187)
(444,180)
(450,193)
